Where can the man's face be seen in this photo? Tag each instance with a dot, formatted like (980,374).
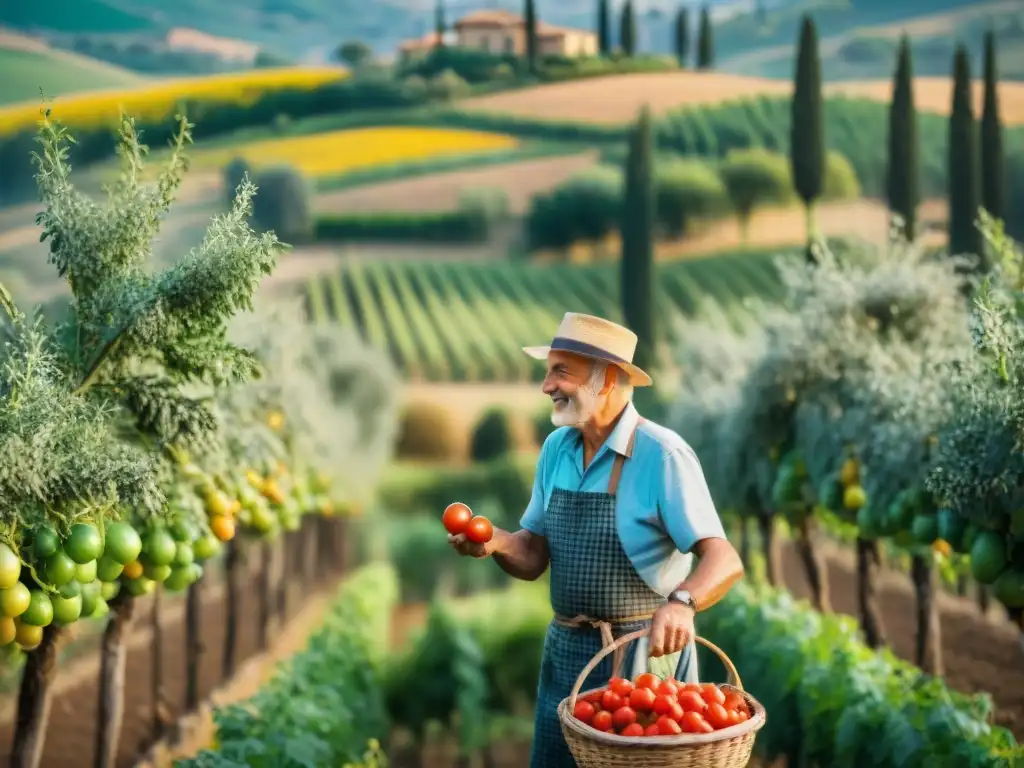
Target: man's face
(576,389)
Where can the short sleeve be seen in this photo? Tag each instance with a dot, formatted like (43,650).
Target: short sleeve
(687,510)
(533,518)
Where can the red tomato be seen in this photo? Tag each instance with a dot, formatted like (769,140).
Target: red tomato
(734,702)
(717,716)
(712,694)
(602,721)
(734,717)
(662,704)
(691,701)
(705,727)
(584,711)
(667,688)
(652,730)
(611,701)
(633,729)
(479,530)
(695,687)
(647,680)
(456,517)
(623,716)
(642,699)
(744,715)
(668,727)
(621,686)
(594,698)
(692,722)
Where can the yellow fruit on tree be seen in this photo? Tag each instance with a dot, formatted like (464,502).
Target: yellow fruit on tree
(275,420)
(942,547)
(28,636)
(272,491)
(133,570)
(8,630)
(854,497)
(849,474)
(254,478)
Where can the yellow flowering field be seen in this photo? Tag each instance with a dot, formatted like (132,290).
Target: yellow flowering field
(337,152)
(161,98)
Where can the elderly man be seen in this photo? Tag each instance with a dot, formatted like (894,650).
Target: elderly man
(618,506)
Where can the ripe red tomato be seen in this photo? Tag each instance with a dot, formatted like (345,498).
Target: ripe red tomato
(712,694)
(642,699)
(621,686)
(667,688)
(652,730)
(662,704)
(611,701)
(734,702)
(717,716)
(692,722)
(691,701)
(479,530)
(595,697)
(734,717)
(668,727)
(695,687)
(647,680)
(623,716)
(633,729)
(584,711)
(456,517)
(602,721)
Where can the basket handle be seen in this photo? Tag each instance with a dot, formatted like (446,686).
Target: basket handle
(730,668)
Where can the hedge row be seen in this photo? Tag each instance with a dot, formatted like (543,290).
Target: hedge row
(465,225)
(325,705)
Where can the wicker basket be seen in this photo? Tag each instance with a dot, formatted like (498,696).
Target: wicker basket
(727,748)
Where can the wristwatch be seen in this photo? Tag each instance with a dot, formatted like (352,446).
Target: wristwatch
(684,597)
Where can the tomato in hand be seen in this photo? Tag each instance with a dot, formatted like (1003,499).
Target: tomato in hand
(611,701)
(602,721)
(712,694)
(623,716)
(691,701)
(717,716)
(621,686)
(584,711)
(647,680)
(633,729)
(479,530)
(456,517)
(642,699)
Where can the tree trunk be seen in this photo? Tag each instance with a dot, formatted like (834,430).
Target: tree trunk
(193,644)
(814,564)
(113,655)
(309,548)
(284,557)
(160,714)
(961,585)
(34,702)
(266,596)
(869,563)
(928,645)
(770,548)
(234,572)
(984,599)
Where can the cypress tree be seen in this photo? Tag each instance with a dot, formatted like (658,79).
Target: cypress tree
(604,31)
(705,41)
(627,29)
(991,136)
(903,174)
(638,240)
(682,35)
(439,23)
(530,21)
(964,181)
(807,129)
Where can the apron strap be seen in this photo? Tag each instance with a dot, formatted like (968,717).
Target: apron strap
(620,460)
(605,628)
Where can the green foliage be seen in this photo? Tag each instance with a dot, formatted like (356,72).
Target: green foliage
(235,173)
(685,190)
(755,177)
(964,173)
(903,169)
(637,261)
(807,139)
(587,207)
(705,41)
(991,137)
(627,29)
(492,436)
(326,703)
(284,206)
(681,35)
(427,431)
(841,181)
(542,425)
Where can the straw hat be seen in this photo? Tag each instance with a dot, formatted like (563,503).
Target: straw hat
(596,338)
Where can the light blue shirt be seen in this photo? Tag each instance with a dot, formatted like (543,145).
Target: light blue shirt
(663,506)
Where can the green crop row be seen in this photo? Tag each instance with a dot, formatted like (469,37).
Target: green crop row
(326,703)
(469,321)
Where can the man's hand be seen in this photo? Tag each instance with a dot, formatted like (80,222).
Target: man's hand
(468,548)
(671,629)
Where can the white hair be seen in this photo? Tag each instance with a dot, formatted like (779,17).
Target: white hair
(597,371)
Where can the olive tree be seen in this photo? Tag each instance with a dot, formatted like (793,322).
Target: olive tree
(753,178)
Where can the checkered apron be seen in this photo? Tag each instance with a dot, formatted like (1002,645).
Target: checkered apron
(594,582)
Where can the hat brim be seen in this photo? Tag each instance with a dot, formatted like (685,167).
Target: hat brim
(638,377)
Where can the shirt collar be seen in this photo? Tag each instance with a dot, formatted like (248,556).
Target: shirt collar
(618,440)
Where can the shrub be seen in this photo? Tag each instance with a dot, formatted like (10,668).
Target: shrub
(542,426)
(427,432)
(446,86)
(841,181)
(234,173)
(283,204)
(586,207)
(755,177)
(686,189)
(492,436)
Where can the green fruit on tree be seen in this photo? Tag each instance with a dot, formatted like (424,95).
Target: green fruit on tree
(180,531)
(185,555)
(66,610)
(196,572)
(951,528)
(108,569)
(867,523)
(141,586)
(84,543)
(970,534)
(1009,588)
(40,609)
(179,578)
(45,543)
(102,609)
(988,557)
(10,567)
(206,547)
(903,538)
(157,573)
(160,547)
(925,529)
(90,598)
(109,589)
(71,589)
(59,569)
(123,543)
(830,494)
(15,601)
(86,572)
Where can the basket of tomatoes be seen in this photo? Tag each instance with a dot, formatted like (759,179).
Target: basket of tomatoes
(660,723)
